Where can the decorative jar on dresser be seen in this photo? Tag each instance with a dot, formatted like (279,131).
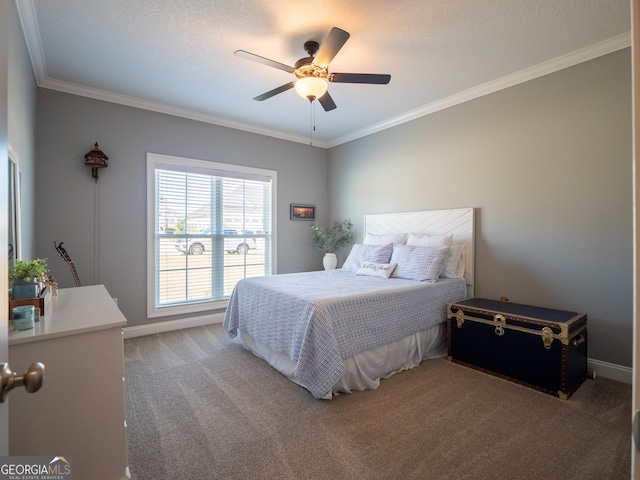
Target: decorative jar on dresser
(80,410)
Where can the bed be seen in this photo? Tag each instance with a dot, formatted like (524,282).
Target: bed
(342,330)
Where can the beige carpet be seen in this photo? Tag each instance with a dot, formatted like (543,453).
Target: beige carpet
(202,407)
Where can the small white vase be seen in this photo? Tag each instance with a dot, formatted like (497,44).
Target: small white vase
(330,261)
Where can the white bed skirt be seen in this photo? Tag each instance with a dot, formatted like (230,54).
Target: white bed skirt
(364,370)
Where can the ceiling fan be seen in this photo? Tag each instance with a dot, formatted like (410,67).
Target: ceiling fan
(312,71)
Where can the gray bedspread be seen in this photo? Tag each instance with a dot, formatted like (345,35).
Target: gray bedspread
(319,318)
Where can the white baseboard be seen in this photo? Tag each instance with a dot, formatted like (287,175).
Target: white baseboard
(171,325)
(608,370)
(612,371)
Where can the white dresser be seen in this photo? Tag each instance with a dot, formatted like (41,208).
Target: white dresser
(80,410)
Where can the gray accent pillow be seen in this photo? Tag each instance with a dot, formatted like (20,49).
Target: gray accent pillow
(369,253)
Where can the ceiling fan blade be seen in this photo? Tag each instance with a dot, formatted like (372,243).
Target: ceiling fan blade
(274,92)
(331,45)
(327,102)
(265,61)
(372,78)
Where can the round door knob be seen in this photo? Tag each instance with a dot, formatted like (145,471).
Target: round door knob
(33,377)
(31,380)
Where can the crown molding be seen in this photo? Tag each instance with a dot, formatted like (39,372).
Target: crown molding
(29,24)
(167,109)
(28,20)
(559,63)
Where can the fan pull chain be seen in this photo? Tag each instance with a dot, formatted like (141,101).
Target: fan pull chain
(311,123)
(312,120)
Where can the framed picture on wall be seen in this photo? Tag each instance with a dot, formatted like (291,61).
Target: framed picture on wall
(303,212)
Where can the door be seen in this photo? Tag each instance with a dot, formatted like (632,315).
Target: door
(4,299)
(635,56)
(4,239)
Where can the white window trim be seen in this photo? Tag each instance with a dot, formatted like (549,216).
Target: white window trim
(154,161)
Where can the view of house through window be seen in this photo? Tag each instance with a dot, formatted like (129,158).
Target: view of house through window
(211,228)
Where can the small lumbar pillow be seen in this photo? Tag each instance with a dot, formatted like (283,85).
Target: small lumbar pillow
(373,269)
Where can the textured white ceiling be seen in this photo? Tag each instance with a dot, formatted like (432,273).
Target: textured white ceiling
(176,56)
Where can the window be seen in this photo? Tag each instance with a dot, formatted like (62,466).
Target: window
(209,225)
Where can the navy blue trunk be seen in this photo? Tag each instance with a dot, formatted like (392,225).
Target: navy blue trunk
(538,347)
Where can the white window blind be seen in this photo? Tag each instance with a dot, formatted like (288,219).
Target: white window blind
(210,226)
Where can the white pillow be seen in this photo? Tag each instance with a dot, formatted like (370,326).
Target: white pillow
(423,264)
(396,238)
(432,241)
(455,263)
(362,253)
(373,269)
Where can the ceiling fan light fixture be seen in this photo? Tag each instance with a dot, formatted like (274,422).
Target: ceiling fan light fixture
(311,88)
(312,72)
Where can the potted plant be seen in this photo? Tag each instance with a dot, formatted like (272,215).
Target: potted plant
(331,239)
(27,277)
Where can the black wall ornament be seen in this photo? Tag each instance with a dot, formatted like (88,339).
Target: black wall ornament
(96,159)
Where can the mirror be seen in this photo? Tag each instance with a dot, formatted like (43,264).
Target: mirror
(14,209)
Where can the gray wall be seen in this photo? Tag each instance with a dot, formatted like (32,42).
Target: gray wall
(103,225)
(22,125)
(548,165)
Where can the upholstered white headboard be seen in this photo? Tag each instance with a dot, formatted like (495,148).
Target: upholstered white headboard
(460,222)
